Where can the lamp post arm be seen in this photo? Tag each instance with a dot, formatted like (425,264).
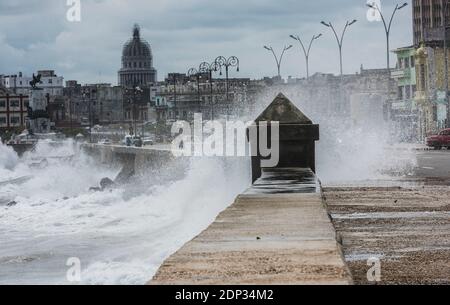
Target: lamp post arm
(392,18)
(386,27)
(282,54)
(343,34)
(276,58)
(336,35)
(303,46)
(310,45)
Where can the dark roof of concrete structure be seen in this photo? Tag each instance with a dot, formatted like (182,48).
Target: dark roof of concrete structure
(284,111)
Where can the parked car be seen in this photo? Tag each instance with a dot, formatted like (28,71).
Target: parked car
(105,142)
(147,141)
(440,140)
(137,141)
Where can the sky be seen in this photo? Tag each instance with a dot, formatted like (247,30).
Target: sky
(36,34)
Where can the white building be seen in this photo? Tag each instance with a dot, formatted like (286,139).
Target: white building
(20,84)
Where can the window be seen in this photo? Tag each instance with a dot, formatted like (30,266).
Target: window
(15,120)
(2,104)
(400,92)
(14,104)
(408,92)
(2,120)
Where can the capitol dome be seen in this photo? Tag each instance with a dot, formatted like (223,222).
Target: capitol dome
(137,62)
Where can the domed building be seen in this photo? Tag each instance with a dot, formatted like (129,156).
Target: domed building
(137,62)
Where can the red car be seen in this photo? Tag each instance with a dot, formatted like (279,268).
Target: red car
(440,140)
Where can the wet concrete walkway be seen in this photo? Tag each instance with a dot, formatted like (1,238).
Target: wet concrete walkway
(278,232)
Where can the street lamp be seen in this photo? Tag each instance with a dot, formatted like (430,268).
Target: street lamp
(136,92)
(87,93)
(174,79)
(387,27)
(340,40)
(210,68)
(306,51)
(232,61)
(278,61)
(194,72)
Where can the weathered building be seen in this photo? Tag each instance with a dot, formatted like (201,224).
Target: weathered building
(51,83)
(431,89)
(429,18)
(404,108)
(94,103)
(211,98)
(13,111)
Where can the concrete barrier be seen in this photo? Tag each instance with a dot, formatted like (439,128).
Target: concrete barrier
(274,233)
(135,161)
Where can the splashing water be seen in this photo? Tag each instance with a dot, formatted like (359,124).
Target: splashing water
(119,238)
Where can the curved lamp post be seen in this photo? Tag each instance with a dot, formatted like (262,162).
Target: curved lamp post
(194,72)
(222,62)
(136,93)
(280,60)
(340,40)
(306,51)
(387,27)
(206,67)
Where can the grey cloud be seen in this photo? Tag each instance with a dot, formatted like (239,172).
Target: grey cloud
(184,33)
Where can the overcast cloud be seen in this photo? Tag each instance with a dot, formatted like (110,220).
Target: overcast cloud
(35,34)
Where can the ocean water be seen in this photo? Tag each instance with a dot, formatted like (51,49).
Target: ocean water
(48,215)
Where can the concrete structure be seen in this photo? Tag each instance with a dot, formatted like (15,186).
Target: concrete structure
(137,62)
(278,232)
(428,21)
(13,111)
(296,139)
(135,161)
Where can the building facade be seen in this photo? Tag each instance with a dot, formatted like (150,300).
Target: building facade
(404,108)
(180,101)
(13,111)
(137,62)
(430,96)
(95,103)
(51,83)
(429,18)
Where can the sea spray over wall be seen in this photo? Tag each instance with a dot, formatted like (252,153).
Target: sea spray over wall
(121,236)
(356,142)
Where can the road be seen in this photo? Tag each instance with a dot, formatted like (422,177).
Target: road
(433,164)
(406,226)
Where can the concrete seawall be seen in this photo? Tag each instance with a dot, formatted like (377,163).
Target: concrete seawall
(278,232)
(135,161)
